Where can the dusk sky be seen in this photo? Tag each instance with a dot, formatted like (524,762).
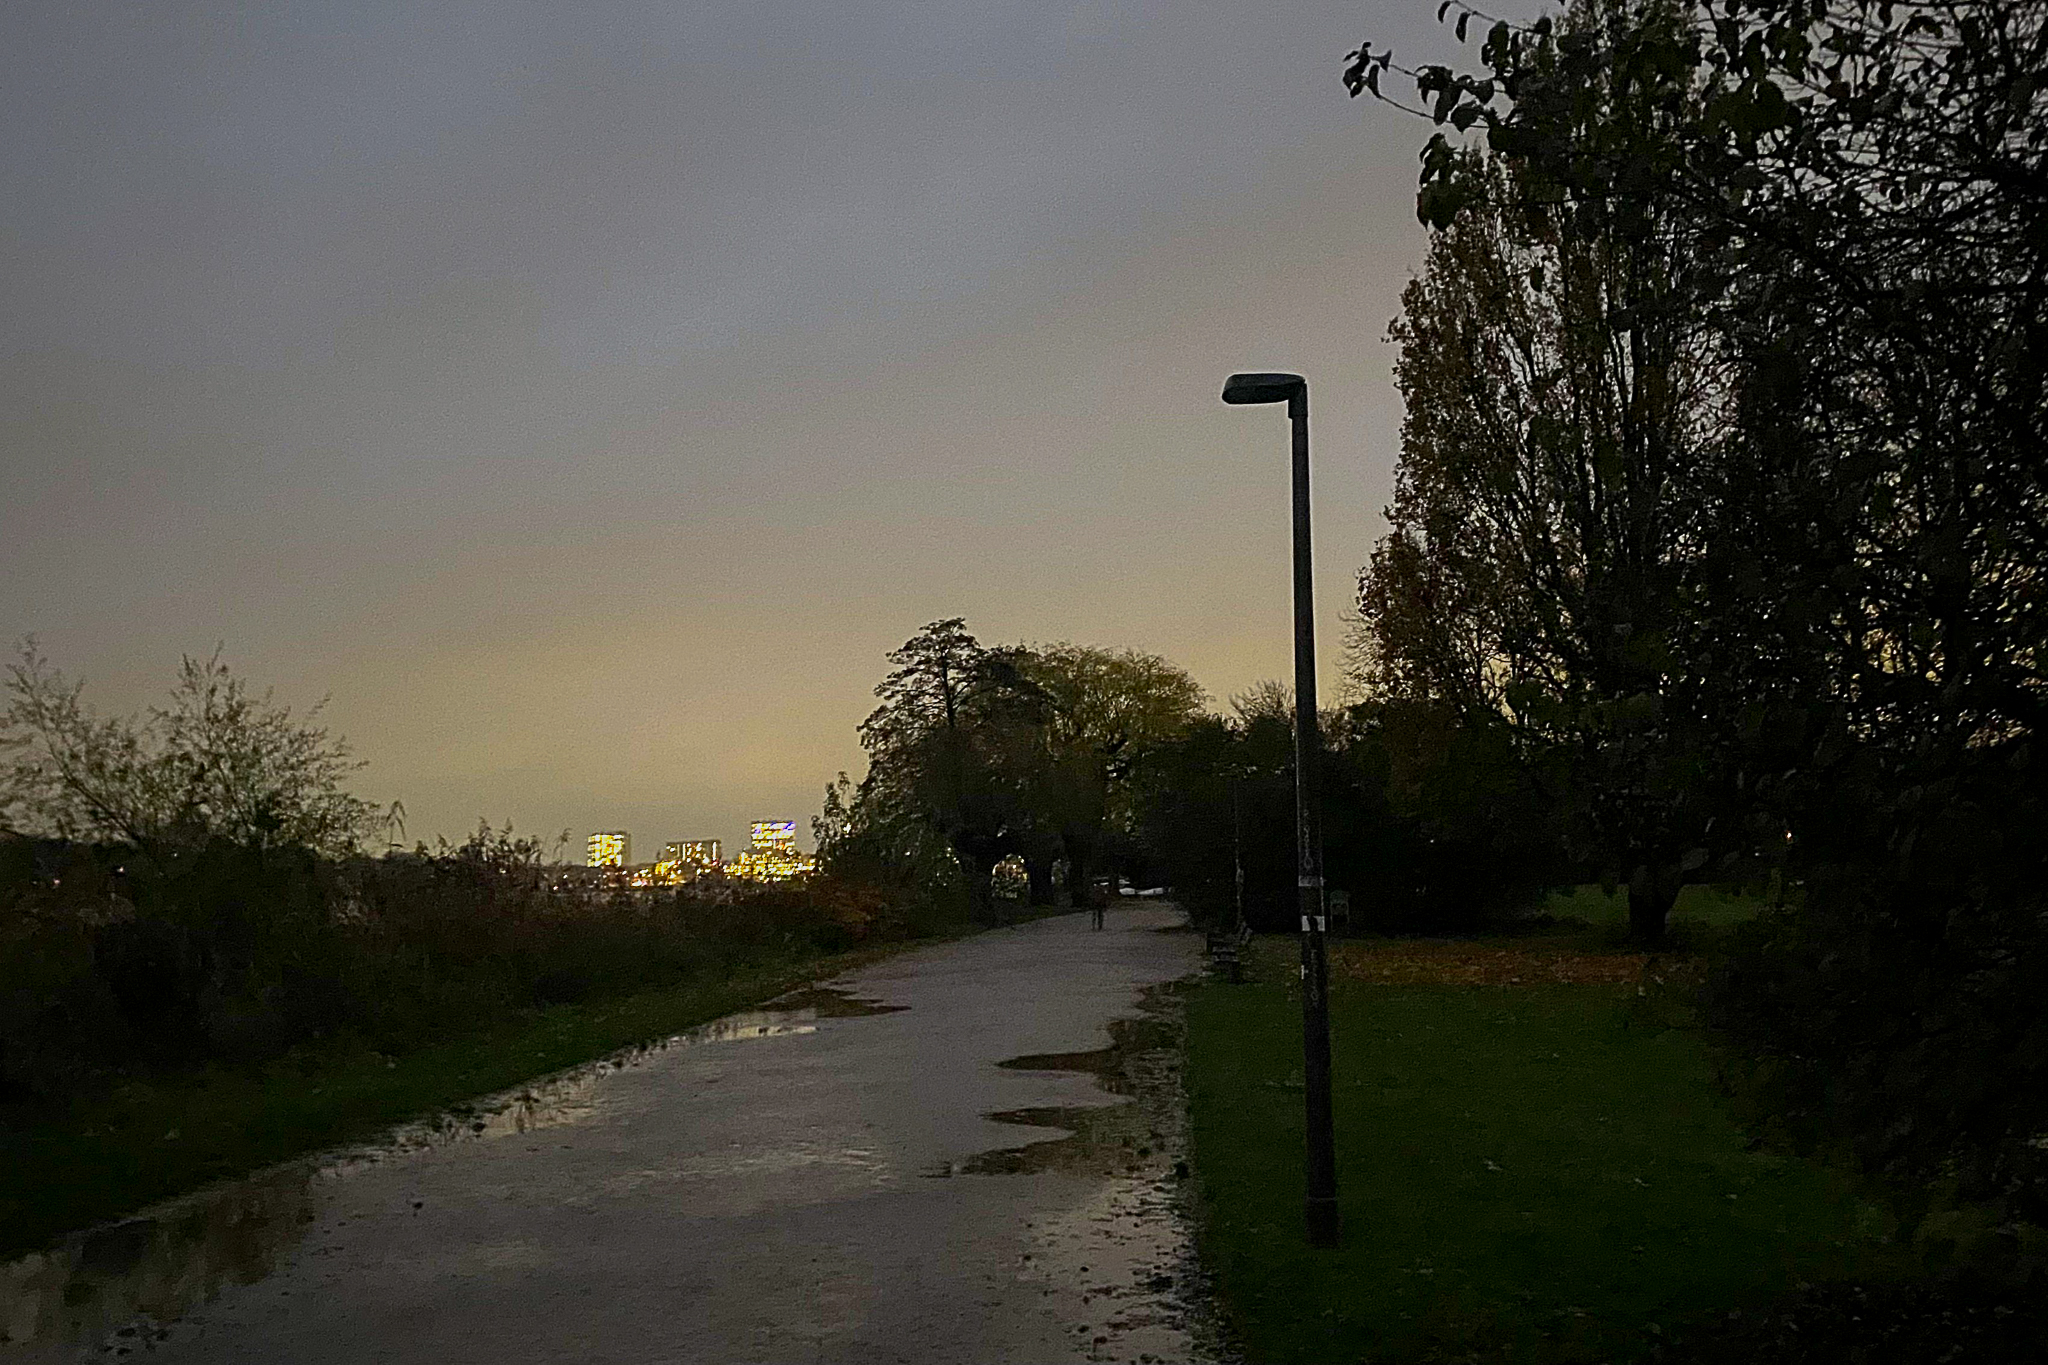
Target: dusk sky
(587,398)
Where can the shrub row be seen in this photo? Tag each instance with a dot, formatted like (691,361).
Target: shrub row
(115,962)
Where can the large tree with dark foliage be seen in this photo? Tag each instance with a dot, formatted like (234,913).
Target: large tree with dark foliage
(1872,621)
(1024,750)
(1109,711)
(1545,550)
(956,744)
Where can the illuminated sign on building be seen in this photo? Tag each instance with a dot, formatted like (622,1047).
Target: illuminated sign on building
(775,834)
(611,848)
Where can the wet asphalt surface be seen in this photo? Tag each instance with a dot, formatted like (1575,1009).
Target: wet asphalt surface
(821,1180)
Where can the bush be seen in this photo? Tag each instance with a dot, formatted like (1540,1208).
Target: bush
(111,962)
(1892,1012)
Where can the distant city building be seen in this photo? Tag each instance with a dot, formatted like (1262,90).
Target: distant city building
(773,857)
(698,853)
(683,860)
(611,848)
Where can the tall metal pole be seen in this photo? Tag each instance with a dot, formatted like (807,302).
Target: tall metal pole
(1308,836)
(1315,968)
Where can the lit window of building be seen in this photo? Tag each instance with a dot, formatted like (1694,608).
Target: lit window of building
(611,848)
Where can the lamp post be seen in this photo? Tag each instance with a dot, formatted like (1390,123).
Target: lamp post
(1321,1206)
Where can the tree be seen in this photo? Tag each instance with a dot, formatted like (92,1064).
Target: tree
(1874,174)
(1890,510)
(868,838)
(1470,828)
(955,743)
(1214,810)
(1107,710)
(216,763)
(1545,540)
(1432,823)
(1025,750)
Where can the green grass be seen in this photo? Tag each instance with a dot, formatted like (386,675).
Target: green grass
(1523,1174)
(151,1139)
(1709,906)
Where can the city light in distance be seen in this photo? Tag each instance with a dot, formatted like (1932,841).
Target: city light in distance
(771,857)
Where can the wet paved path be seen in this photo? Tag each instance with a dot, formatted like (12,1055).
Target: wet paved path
(794,1185)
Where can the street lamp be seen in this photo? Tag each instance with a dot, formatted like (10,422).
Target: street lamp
(1292,389)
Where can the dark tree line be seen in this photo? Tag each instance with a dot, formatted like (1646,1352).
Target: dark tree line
(1430,824)
(1725,490)
(977,754)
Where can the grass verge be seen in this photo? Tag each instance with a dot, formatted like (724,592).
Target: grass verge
(1708,907)
(150,1139)
(1529,1169)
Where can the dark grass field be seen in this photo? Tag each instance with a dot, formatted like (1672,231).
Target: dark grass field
(1709,907)
(1531,1167)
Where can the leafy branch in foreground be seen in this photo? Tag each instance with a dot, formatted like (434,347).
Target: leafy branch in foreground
(217,761)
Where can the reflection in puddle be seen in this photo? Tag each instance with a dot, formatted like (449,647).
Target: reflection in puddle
(120,1280)
(1128,1138)
(115,1284)
(829,1002)
(1127,1250)
(566,1097)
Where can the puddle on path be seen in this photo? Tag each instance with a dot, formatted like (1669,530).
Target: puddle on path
(829,1002)
(1128,1138)
(117,1284)
(1123,1260)
(568,1096)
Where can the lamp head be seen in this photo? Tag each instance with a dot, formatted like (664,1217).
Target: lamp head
(1263,388)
